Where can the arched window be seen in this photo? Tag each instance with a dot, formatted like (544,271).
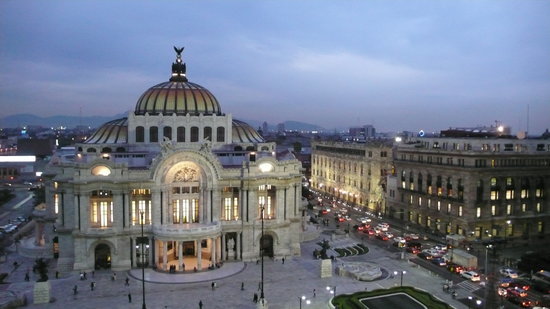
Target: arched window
(238,148)
(153,134)
(101,209)
(120,149)
(207,133)
(194,134)
(420,182)
(250,148)
(181,134)
(106,150)
(220,134)
(167,132)
(140,134)
(90,150)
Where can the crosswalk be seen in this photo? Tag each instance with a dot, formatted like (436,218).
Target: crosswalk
(469,285)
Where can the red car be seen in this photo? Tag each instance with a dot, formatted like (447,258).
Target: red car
(369,231)
(413,250)
(382,236)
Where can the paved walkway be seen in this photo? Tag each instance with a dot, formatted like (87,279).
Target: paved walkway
(284,283)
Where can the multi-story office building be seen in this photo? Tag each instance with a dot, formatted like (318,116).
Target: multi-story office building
(200,184)
(472,186)
(355,173)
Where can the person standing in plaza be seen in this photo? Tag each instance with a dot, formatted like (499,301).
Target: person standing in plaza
(129,297)
(92,285)
(75,289)
(127,282)
(200,304)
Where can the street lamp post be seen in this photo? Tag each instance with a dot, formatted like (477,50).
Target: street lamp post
(262,207)
(142,218)
(470,298)
(332,290)
(486,260)
(402,272)
(300,299)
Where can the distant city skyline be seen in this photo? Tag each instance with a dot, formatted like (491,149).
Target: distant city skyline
(399,65)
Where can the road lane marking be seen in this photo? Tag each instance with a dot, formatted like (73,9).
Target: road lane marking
(23,201)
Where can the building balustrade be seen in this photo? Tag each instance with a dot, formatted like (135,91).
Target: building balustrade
(188,229)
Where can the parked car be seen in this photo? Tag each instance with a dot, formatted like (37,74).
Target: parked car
(508,272)
(472,275)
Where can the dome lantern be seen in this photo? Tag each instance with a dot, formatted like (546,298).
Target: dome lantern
(178,67)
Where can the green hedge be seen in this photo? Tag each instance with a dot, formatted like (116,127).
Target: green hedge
(352,301)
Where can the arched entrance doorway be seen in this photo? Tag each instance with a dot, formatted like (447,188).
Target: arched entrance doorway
(266,245)
(102,256)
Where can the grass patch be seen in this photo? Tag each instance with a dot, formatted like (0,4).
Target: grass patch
(352,301)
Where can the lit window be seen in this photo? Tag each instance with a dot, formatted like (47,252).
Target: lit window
(539,207)
(101,170)
(429,203)
(438,205)
(494,195)
(460,211)
(419,201)
(56,203)
(508,209)
(449,208)
(493,210)
(538,192)
(509,194)
(227,208)
(524,193)
(478,212)
(540,226)
(523,207)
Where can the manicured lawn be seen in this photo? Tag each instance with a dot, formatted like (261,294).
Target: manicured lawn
(360,299)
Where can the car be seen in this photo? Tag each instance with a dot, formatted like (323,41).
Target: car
(410,236)
(399,239)
(425,255)
(382,236)
(341,219)
(521,284)
(369,231)
(455,268)
(358,227)
(413,250)
(525,303)
(439,261)
(365,220)
(472,275)
(515,291)
(390,235)
(508,272)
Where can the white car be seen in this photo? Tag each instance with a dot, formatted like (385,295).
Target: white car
(472,275)
(389,235)
(399,239)
(508,272)
(365,220)
(383,228)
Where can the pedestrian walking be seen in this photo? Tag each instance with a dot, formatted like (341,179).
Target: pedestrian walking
(92,285)
(200,304)
(27,276)
(314,293)
(255,298)
(212,285)
(129,297)
(114,276)
(85,278)
(283,259)
(81,276)
(127,282)
(242,286)
(75,289)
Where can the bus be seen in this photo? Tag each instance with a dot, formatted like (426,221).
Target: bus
(541,281)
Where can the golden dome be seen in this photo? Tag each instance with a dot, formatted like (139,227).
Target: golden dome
(244,133)
(112,132)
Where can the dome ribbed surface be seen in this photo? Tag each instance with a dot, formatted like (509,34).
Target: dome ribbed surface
(179,98)
(244,133)
(112,132)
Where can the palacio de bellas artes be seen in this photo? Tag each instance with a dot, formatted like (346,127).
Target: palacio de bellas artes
(201,186)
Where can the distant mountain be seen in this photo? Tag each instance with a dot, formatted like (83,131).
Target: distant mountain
(20,120)
(289,125)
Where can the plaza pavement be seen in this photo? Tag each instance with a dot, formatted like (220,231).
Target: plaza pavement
(284,283)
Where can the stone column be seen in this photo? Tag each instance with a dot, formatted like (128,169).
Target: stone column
(213,250)
(199,254)
(117,211)
(164,254)
(180,254)
(223,254)
(155,204)
(238,242)
(84,212)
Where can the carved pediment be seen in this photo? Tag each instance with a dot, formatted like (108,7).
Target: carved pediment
(186,174)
